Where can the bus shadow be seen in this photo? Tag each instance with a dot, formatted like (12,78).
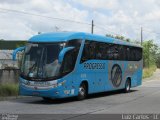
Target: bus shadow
(110,93)
(73,99)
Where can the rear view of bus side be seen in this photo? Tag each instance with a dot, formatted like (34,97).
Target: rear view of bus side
(66,64)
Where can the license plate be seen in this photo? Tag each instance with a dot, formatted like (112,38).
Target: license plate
(41,84)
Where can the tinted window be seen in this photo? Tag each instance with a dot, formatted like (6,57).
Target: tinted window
(71,56)
(101,50)
(110,51)
(69,62)
(75,43)
(135,54)
(89,51)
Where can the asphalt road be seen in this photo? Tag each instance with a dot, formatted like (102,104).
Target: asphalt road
(143,99)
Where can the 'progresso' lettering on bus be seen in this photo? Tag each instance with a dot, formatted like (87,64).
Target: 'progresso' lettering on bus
(94,66)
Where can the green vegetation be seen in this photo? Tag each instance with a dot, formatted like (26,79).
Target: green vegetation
(148,72)
(8,90)
(11,45)
(158,60)
(118,37)
(150,52)
(150,58)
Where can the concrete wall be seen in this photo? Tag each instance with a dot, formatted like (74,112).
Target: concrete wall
(8,63)
(9,70)
(9,76)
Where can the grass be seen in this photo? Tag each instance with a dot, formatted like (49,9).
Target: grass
(148,72)
(8,90)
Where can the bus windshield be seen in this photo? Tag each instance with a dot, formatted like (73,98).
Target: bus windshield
(41,60)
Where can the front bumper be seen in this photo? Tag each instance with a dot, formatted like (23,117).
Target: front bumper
(51,89)
(51,93)
(30,88)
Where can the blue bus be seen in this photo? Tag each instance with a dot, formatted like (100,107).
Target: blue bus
(67,64)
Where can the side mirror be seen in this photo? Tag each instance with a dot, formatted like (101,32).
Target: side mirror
(63,52)
(16,51)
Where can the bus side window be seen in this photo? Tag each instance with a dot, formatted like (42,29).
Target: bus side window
(85,53)
(106,48)
(128,53)
(121,52)
(69,61)
(113,52)
(75,42)
(99,51)
(88,51)
(92,48)
(139,54)
(131,54)
(116,52)
(110,52)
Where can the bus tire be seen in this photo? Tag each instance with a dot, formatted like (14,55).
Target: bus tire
(127,86)
(82,92)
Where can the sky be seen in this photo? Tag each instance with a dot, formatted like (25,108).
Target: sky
(122,17)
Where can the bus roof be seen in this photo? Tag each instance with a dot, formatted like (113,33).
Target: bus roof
(65,36)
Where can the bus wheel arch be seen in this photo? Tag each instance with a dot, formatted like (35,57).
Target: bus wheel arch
(127,85)
(83,90)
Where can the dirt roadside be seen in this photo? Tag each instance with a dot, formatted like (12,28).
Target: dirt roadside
(155,76)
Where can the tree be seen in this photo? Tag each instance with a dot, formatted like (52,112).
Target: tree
(158,59)
(109,35)
(149,53)
(119,37)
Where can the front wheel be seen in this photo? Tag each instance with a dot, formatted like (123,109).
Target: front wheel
(82,93)
(127,86)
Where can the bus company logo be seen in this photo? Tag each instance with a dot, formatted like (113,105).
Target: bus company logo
(116,75)
(94,66)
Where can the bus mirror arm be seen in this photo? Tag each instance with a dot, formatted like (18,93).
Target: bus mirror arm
(16,51)
(62,53)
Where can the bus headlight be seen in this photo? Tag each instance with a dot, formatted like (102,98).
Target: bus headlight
(59,84)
